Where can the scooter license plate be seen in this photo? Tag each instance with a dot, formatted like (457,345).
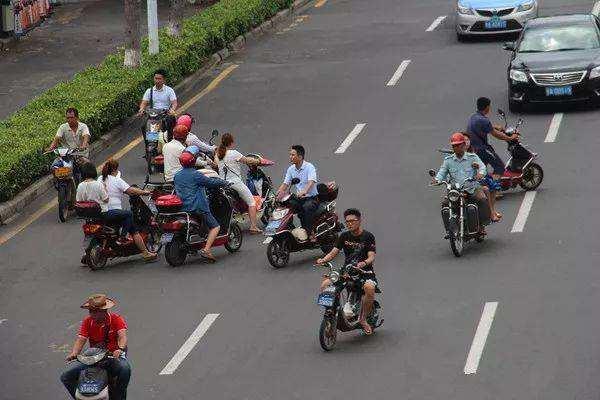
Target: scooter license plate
(326,299)
(272,226)
(268,240)
(152,136)
(166,238)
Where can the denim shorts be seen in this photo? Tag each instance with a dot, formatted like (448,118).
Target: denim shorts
(209,219)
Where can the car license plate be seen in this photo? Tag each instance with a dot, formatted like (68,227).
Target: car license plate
(495,23)
(559,91)
(166,238)
(326,299)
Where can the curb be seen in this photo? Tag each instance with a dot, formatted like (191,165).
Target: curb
(11,208)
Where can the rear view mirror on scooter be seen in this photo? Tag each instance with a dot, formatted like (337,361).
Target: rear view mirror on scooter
(214,133)
(501,112)
(431,172)
(295,181)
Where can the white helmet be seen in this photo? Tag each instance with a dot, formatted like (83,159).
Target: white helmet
(300,234)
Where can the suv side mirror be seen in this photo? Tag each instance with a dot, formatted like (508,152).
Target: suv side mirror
(509,46)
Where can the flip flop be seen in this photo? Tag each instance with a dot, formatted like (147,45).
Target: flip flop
(255,231)
(367,332)
(208,257)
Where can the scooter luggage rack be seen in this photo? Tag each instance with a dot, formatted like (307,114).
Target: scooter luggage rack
(181,213)
(326,224)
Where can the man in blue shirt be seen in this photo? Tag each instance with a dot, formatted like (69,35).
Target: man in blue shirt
(306,189)
(478,129)
(461,166)
(190,186)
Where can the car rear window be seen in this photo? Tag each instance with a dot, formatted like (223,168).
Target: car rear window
(559,38)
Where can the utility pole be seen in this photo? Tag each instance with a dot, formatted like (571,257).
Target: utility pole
(152,27)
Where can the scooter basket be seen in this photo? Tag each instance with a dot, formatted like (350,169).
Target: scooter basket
(168,204)
(88,210)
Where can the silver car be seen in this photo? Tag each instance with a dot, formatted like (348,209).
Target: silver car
(485,17)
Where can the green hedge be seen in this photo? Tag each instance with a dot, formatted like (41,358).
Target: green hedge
(108,93)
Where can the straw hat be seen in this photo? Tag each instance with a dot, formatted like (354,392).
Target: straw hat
(98,302)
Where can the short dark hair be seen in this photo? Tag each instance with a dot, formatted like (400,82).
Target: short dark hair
(88,171)
(72,110)
(160,71)
(352,211)
(483,103)
(299,150)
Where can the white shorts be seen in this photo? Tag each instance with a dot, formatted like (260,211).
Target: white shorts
(244,192)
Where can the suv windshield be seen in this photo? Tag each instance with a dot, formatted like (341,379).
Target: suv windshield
(559,38)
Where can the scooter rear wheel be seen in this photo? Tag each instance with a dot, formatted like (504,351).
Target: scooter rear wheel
(175,252)
(95,259)
(532,177)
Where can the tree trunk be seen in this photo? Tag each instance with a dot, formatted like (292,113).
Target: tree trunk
(175,16)
(132,33)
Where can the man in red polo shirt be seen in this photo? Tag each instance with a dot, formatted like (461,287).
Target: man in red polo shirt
(106,330)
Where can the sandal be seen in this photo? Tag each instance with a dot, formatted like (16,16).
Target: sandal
(150,257)
(367,330)
(255,231)
(208,257)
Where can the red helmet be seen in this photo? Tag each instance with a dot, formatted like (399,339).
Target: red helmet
(187,159)
(180,131)
(457,138)
(186,120)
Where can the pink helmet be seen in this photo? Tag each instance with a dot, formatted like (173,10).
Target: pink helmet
(186,120)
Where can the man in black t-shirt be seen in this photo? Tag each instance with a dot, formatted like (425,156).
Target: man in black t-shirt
(359,249)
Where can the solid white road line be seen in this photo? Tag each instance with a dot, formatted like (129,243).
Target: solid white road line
(435,23)
(521,219)
(398,74)
(554,127)
(481,334)
(350,138)
(596,9)
(189,344)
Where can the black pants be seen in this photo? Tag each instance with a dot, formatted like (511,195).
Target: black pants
(306,212)
(118,368)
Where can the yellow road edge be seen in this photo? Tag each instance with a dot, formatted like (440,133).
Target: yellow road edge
(119,154)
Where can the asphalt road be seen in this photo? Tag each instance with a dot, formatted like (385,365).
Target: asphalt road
(311,83)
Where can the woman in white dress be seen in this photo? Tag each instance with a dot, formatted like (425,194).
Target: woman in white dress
(230,163)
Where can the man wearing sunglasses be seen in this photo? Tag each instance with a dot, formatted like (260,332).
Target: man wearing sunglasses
(359,247)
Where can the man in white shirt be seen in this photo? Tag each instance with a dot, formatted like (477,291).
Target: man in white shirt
(172,150)
(160,96)
(306,189)
(72,134)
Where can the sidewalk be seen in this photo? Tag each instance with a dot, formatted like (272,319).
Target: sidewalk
(75,36)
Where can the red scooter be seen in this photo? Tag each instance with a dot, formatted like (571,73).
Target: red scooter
(183,233)
(521,170)
(103,241)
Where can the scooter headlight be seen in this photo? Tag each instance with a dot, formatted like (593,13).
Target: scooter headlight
(334,276)
(453,195)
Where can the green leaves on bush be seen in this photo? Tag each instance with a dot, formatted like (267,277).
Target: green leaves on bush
(108,93)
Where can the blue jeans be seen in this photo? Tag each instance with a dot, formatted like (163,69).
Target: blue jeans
(116,368)
(122,217)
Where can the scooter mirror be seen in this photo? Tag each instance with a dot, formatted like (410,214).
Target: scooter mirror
(295,181)
(431,172)
(501,112)
(214,133)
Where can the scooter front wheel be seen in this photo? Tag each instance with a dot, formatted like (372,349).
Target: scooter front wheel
(532,177)
(234,240)
(328,332)
(278,252)
(63,202)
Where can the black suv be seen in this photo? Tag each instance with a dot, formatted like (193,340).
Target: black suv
(555,59)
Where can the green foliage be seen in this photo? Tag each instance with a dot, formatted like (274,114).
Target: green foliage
(108,93)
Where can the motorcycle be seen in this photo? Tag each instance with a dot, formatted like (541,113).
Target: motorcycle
(265,196)
(94,382)
(461,216)
(150,132)
(520,169)
(66,178)
(184,233)
(284,238)
(102,240)
(341,301)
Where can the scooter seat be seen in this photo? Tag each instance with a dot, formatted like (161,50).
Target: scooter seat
(508,174)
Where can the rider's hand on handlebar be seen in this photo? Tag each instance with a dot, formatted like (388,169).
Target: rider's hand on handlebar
(71,357)
(320,261)
(361,265)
